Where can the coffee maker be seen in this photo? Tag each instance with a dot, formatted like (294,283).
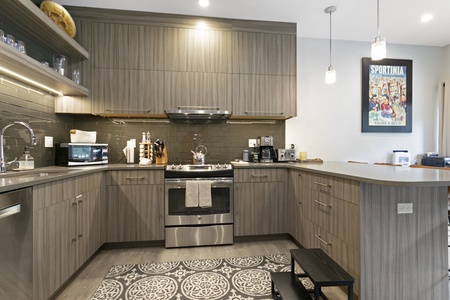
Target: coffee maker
(266,151)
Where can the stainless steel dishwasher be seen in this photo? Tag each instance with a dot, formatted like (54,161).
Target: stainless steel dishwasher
(16,244)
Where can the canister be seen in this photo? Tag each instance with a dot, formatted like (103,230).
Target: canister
(245,155)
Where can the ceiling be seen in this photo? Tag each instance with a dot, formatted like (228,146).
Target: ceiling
(354,20)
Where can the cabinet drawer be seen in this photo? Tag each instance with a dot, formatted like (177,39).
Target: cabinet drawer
(345,189)
(137,177)
(259,175)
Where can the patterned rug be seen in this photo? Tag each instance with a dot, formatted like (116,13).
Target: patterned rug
(242,278)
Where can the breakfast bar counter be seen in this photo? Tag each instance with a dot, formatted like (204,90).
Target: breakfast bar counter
(354,215)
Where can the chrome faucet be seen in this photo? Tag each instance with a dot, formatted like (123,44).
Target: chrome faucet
(2,152)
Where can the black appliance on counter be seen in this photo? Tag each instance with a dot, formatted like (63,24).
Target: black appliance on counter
(266,150)
(81,154)
(436,161)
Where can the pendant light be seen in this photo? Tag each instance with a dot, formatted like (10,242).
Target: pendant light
(330,75)
(379,45)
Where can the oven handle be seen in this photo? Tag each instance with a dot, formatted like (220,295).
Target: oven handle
(213,180)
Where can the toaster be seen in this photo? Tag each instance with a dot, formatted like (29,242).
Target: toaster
(282,155)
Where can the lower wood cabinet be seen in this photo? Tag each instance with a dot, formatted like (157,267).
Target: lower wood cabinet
(66,230)
(296,203)
(324,212)
(134,206)
(259,201)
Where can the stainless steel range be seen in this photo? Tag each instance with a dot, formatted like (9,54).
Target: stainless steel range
(198,205)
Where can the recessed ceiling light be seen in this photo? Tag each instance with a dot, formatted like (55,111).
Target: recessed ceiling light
(203,3)
(426,18)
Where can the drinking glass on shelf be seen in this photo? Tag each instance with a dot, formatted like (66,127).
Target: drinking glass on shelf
(2,36)
(59,63)
(21,47)
(76,77)
(11,40)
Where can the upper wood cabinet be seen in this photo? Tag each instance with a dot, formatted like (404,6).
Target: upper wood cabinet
(144,63)
(197,89)
(265,53)
(24,20)
(264,96)
(197,50)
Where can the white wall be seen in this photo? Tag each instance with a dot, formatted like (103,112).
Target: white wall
(328,122)
(447,63)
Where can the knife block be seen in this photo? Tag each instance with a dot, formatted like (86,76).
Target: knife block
(163,159)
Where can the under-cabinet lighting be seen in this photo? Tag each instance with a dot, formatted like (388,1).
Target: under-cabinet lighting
(2,79)
(30,81)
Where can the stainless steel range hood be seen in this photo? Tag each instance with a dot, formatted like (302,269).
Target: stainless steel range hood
(197,114)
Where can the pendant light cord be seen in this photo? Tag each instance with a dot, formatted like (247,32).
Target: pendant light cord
(378,18)
(330,38)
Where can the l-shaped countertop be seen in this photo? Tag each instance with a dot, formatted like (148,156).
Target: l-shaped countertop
(374,174)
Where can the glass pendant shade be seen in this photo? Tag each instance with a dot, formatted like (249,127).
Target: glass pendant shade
(330,76)
(379,48)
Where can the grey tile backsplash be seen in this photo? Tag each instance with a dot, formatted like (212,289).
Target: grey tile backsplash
(223,140)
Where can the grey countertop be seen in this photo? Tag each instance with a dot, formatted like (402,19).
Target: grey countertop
(375,174)
(12,180)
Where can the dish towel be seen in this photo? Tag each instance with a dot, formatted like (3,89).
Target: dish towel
(191,199)
(204,194)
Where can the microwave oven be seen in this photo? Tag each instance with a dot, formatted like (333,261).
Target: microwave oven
(80,154)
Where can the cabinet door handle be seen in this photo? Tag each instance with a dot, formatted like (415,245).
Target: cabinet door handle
(269,113)
(9,211)
(80,216)
(300,175)
(74,224)
(322,240)
(198,107)
(323,184)
(260,175)
(135,178)
(323,204)
(143,110)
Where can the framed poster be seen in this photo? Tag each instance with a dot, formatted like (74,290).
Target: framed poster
(386,95)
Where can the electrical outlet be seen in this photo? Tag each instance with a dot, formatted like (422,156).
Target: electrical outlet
(404,208)
(251,143)
(48,141)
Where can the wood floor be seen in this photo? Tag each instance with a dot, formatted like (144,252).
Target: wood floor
(84,285)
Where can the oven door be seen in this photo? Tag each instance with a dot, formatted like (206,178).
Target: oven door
(220,212)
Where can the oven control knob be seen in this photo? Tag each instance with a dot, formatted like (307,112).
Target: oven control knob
(218,166)
(199,218)
(180,167)
(172,167)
